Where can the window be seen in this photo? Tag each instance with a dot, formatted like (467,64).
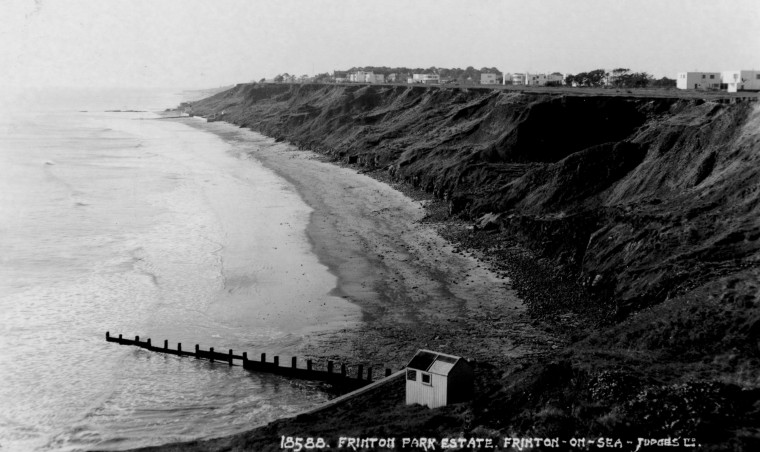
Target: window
(411,374)
(757,76)
(426,379)
(703,75)
(712,75)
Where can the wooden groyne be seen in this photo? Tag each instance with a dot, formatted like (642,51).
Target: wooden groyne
(340,376)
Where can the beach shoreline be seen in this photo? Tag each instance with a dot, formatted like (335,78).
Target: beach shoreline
(569,358)
(415,289)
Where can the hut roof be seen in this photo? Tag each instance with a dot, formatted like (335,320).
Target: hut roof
(433,362)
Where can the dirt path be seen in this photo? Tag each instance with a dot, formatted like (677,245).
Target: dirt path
(415,290)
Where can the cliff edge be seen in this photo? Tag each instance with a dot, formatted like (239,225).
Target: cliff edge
(648,207)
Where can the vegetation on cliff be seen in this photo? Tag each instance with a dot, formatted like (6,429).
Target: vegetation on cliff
(645,212)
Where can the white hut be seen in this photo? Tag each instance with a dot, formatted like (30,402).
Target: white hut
(437,379)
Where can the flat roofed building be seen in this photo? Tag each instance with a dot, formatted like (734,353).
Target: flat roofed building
(426,78)
(535,79)
(698,80)
(436,379)
(487,78)
(734,81)
(518,78)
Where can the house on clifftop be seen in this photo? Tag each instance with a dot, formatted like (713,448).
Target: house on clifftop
(437,379)
(698,80)
(735,81)
(487,78)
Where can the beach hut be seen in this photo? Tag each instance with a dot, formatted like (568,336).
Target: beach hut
(437,379)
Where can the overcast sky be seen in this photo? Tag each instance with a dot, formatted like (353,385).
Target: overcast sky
(194,43)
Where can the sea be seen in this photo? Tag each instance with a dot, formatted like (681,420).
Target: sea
(113,219)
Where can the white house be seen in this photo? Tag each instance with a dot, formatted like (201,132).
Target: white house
(365,77)
(487,78)
(698,80)
(426,78)
(358,77)
(518,79)
(437,379)
(740,80)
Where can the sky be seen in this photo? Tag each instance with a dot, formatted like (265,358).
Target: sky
(205,44)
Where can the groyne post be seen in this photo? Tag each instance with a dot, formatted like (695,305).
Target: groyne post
(319,372)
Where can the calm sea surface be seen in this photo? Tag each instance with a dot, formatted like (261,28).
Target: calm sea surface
(125,223)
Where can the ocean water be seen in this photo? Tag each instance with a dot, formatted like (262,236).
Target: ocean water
(122,222)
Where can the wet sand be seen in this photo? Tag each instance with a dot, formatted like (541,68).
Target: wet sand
(415,290)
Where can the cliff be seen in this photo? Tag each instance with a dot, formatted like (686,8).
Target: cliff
(643,199)
(648,205)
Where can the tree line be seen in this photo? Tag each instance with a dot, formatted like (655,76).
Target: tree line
(618,78)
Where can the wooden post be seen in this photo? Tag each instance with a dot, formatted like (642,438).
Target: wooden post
(148,342)
(211,353)
(343,370)
(108,335)
(293,362)
(360,372)
(137,340)
(166,344)
(263,357)
(387,372)
(277,361)
(369,373)
(308,364)
(197,352)
(230,357)
(179,347)
(245,357)
(329,367)
(120,338)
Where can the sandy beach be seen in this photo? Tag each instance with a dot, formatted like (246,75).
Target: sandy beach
(414,288)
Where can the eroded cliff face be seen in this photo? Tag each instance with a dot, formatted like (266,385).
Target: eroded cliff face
(643,199)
